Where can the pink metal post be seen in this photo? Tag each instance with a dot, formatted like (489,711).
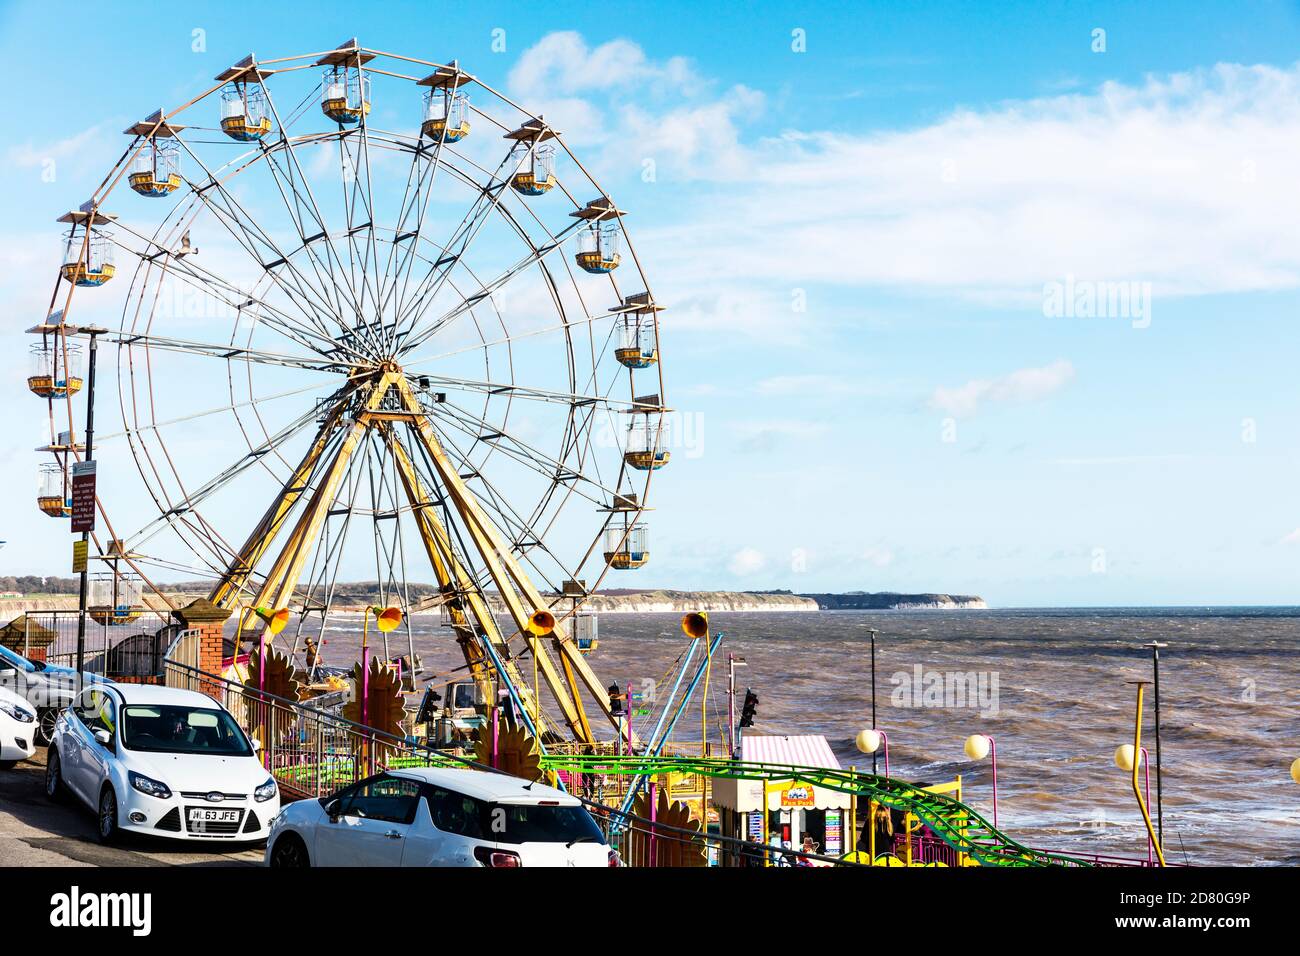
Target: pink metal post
(1146,767)
(627,709)
(365,686)
(731,705)
(993,753)
(653,805)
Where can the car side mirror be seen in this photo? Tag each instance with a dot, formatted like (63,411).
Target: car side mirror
(103,736)
(332,811)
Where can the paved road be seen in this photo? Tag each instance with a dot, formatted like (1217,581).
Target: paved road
(37,832)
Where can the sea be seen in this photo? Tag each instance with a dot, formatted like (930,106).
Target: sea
(1053,687)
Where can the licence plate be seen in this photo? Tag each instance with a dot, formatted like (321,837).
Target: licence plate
(202,815)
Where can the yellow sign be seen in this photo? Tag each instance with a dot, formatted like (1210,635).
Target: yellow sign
(797,795)
(79,552)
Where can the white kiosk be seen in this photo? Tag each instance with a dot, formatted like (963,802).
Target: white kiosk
(794,809)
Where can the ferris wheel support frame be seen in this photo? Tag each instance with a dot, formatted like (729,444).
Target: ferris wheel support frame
(465,602)
(458,587)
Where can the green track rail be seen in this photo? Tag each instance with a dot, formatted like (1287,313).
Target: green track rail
(953,822)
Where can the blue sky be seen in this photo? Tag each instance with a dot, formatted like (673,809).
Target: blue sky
(855,243)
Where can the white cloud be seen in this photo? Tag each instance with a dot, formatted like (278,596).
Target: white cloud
(1292,538)
(562,62)
(747,561)
(1185,181)
(1018,387)
(630,108)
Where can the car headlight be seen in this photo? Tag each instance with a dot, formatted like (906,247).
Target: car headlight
(265,792)
(20,714)
(149,786)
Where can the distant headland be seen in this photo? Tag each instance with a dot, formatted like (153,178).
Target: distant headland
(37,594)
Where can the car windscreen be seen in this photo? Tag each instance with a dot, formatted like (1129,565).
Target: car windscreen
(162,728)
(17,661)
(510,823)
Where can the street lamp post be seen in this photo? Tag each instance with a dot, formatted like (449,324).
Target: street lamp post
(1124,760)
(977,747)
(1155,669)
(732,663)
(872,632)
(872,740)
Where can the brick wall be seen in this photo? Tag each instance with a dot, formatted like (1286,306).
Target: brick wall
(210,621)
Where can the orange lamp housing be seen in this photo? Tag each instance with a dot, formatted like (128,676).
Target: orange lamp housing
(695,624)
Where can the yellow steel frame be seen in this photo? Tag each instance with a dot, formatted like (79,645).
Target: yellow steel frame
(461,594)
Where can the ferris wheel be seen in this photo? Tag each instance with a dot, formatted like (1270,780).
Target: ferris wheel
(373,313)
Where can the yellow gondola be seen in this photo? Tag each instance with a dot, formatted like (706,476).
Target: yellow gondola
(155,169)
(115,598)
(539,178)
(87,260)
(446,108)
(345,96)
(626,548)
(598,244)
(55,370)
(598,250)
(54,491)
(638,339)
(245,113)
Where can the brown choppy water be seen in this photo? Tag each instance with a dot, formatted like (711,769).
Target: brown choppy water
(1230,720)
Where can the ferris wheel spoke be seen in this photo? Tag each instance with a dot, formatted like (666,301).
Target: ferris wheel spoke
(400,270)
(244,229)
(413,361)
(326,279)
(179,265)
(524,537)
(538,254)
(230,352)
(331,253)
(220,409)
(538,394)
(367,197)
(519,450)
(190,501)
(486,202)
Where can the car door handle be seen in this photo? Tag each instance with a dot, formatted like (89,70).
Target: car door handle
(393,835)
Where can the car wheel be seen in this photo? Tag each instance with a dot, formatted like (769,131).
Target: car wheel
(54,776)
(289,851)
(108,816)
(46,720)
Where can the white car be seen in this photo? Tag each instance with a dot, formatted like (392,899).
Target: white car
(433,816)
(17,729)
(163,762)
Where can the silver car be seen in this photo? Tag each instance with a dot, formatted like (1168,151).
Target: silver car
(49,688)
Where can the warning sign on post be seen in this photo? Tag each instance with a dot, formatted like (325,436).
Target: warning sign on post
(83,496)
(80,551)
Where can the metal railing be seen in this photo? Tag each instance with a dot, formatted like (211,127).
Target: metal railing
(133,649)
(310,752)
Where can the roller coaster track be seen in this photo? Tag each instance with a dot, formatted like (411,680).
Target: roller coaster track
(953,822)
